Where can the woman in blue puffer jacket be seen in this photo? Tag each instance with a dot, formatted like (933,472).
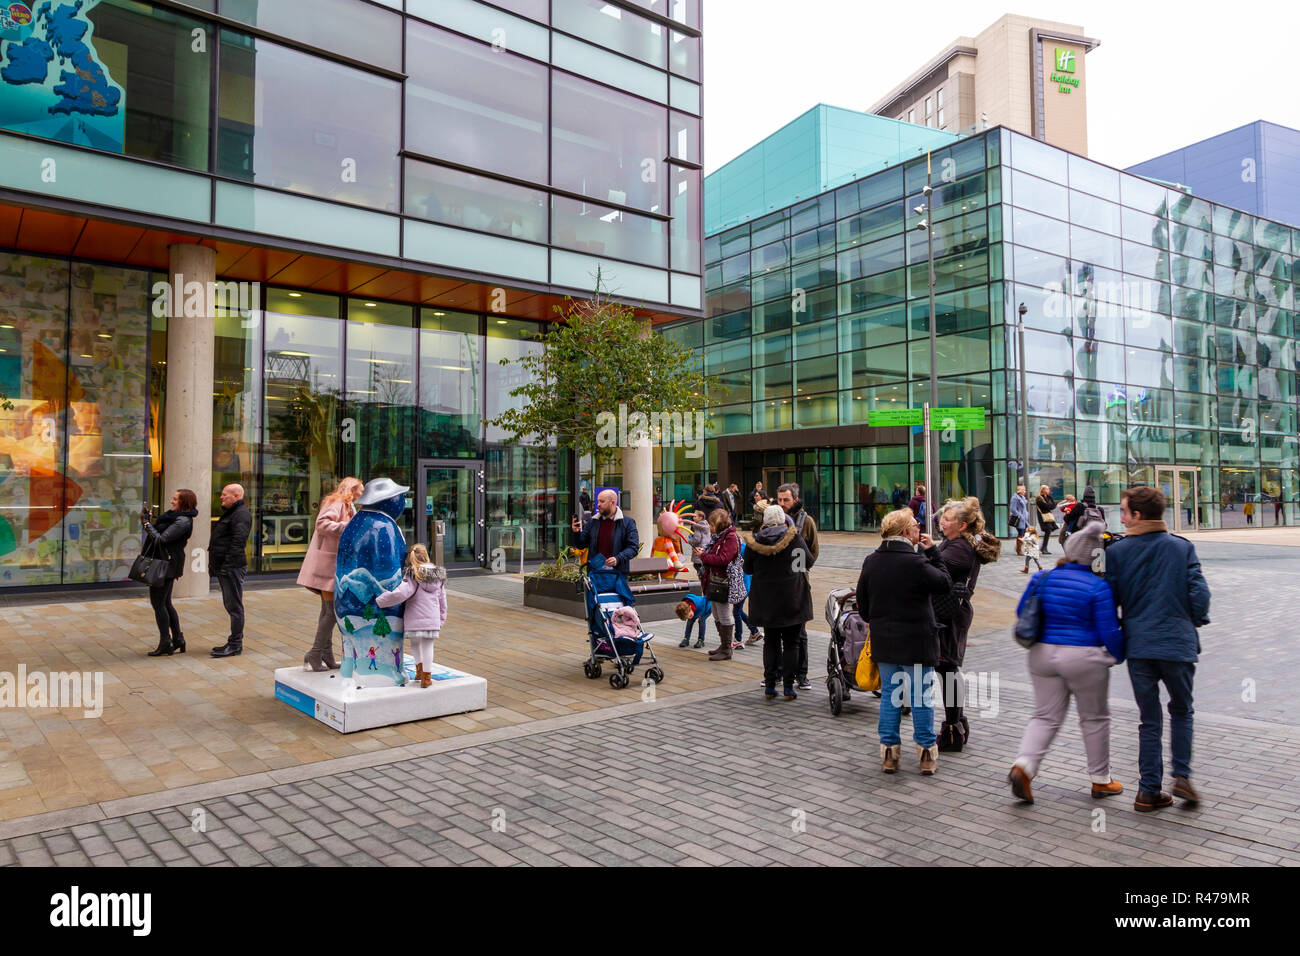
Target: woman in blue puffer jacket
(1081,641)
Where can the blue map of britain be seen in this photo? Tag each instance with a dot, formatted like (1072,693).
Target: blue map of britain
(52,83)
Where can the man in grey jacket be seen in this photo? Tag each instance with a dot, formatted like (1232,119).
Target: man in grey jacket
(1163,599)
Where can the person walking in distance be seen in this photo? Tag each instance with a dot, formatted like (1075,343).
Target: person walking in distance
(787,496)
(317,574)
(1019,515)
(168,537)
(228,563)
(1163,598)
(1045,505)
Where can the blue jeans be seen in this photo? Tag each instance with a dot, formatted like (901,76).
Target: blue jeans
(738,612)
(1147,675)
(915,686)
(703,622)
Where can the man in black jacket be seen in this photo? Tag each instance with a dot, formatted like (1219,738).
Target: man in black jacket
(227,562)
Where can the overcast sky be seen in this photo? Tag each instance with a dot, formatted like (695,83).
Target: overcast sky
(1165,75)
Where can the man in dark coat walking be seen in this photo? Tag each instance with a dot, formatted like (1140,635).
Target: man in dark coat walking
(1163,599)
(228,563)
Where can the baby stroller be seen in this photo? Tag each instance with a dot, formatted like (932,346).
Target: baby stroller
(606,591)
(849,633)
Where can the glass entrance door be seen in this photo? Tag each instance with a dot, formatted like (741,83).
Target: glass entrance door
(451,491)
(774,478)
(1181,489)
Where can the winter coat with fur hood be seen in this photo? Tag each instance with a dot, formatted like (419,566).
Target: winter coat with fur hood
(426,601)
(779,593)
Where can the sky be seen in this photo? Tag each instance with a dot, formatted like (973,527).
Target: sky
(1163,77)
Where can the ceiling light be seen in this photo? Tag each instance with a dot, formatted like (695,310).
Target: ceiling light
(105,335)
(370,305)
(501,321)
(295,295)
(440,313)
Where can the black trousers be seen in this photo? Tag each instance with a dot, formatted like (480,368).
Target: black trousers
(231,581)
(780,654)
(953,689)
(801,655)
(1045,535)
(163,611)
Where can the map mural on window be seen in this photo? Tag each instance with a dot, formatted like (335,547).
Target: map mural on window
(54,82)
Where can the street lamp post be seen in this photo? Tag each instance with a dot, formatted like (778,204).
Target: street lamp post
(1024,399)
(929,433)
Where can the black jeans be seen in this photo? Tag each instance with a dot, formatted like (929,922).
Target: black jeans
(1045,528)
(231,581)
(780,652)
(163,611)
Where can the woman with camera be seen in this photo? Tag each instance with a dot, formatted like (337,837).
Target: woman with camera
(166,539)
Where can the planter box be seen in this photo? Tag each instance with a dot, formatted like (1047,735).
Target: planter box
(565,597)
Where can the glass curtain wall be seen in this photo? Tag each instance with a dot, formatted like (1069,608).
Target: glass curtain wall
(1160,331)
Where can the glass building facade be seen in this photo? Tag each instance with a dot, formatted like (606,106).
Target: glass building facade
(409,186)
(1160,340)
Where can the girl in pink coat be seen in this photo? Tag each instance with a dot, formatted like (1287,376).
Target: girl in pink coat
(317,574)
(424,589)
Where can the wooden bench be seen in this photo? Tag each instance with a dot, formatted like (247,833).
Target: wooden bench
(655,566)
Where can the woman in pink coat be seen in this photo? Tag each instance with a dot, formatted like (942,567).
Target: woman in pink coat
(317,574)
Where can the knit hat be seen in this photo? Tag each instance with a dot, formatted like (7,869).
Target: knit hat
(1082,545)
(773,515)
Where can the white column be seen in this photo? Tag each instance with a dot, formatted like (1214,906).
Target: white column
(187,427)
(638,481)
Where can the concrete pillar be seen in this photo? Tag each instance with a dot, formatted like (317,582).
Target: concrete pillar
(638,482)
(187,435)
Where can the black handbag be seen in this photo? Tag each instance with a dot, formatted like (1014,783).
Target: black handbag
(1029,623)
(719,589)
(150,569)
(948,606)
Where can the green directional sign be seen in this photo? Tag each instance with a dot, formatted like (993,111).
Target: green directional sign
(962,419)
(894,417)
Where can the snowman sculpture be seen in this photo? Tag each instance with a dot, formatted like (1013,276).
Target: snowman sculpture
(370,556)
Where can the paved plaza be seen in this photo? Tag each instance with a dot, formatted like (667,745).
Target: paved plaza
(195,763)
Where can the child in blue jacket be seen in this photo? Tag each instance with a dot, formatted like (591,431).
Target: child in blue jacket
(694,608)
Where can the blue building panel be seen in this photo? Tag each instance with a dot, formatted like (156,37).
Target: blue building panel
(1255,168)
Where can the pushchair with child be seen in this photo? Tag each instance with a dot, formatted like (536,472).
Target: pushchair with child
(849,634)
(606,594)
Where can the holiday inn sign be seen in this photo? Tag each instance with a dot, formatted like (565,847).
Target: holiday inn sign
(1063,70)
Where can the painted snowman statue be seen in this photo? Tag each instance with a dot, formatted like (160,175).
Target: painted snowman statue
(370,556)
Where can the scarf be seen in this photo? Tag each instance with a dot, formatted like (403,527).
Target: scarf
(1147,526)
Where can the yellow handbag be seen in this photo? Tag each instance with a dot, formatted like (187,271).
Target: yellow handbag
(867,676)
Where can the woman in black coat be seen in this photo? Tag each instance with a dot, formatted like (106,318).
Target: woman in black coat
(893,596)
(780,597)
(168,537)
(1045,504)
(966,547)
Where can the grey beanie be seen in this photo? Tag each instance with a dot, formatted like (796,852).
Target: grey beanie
(1083,544)
(773,515)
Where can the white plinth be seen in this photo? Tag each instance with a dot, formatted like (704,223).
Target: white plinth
(328,698)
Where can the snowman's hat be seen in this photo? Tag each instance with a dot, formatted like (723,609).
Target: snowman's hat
(380,489)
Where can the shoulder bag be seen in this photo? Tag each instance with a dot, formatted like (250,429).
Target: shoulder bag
(947,606)
(1029,623)
(148,568)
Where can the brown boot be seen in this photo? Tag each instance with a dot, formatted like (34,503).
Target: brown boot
(419,674)
(929,759)
(723,651)
(1020,544)
(425,678)
(889,757)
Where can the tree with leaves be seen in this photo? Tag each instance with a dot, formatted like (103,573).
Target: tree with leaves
(367,611)
(599,356)
(347,625)
(382,627)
